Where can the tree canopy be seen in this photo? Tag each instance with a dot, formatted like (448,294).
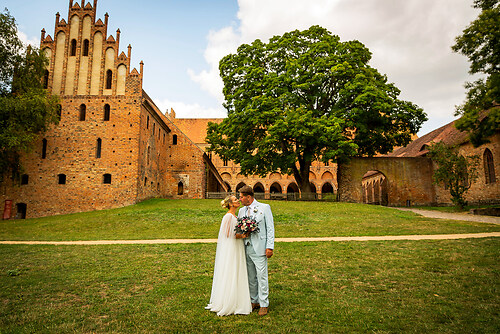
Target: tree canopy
(307,96)
(26,108)
(480,42)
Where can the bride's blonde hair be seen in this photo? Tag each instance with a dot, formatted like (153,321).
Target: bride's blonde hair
(225,203)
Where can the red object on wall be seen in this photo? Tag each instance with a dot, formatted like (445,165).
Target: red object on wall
(7,209)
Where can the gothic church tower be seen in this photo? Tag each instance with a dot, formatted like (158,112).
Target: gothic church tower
(112,146)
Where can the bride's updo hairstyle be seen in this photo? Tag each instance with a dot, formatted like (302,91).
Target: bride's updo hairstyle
(226,202)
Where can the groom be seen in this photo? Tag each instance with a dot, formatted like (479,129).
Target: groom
(258,248)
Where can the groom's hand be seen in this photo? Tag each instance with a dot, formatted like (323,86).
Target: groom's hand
(269,252)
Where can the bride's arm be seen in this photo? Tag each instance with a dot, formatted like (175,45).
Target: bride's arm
(226,226)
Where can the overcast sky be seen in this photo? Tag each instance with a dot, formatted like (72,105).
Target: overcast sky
(182,41)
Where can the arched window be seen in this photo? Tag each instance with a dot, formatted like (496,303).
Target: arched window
(83,112)
(489,167)
(73,47)
(107,111)
(98,149)
(85,47)
(44,148)
(109,78)
(224,162)
(46,79)
(180,188)
(107,179)
(61,178)
(174,140)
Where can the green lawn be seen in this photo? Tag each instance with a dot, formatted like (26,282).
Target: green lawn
(449,286)
(159,219)
(438,286)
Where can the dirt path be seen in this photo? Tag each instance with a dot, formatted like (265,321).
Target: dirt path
(454,216)
(192,241)
(426,213)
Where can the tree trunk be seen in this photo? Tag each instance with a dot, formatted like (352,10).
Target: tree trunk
(302,177)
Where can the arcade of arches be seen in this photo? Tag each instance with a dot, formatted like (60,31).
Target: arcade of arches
(322,182)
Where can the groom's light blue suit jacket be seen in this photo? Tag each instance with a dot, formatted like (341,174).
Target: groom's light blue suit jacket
(263,216)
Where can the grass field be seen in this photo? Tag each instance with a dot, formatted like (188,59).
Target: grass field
(159,219)
(447,286)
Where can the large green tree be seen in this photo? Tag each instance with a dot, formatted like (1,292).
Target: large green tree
(480,42)
(307,96)
(26,108)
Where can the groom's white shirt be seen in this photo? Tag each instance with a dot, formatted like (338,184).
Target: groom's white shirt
(263,216)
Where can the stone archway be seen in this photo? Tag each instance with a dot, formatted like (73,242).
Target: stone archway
(240,185)
(407,180)
(258,188)
(275,188)
(292,191)
(374,185)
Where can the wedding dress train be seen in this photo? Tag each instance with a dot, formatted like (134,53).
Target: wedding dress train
(230,293)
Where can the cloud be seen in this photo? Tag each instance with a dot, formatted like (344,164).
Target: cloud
(184,110)
(33,41)
(220,44)
(410,41)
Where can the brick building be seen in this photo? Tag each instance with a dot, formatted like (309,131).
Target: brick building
(380,185)
(112,146)
(323,178)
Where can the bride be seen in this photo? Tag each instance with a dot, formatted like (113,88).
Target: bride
(230,293)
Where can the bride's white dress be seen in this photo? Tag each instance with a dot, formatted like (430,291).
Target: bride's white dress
(230,294)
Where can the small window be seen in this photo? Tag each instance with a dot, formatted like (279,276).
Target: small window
(61,178)
(147,123)
(83,112)
(98,148)
(224,162)
(174,140)
(180,188)
(109,78)
(327,164)
(44,148)
(86,48)
(24,179)
(73,48)
(154,127)
(145,181)
(46,79)
(59,112)
(107,179)
(107,111)
(489,167)
(149,154)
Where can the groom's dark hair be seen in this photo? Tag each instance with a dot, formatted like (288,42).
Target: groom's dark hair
(246,190)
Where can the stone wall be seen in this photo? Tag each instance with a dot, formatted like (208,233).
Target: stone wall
(480,191)
(409,180)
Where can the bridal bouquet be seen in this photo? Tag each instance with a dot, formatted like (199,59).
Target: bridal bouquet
(246,225)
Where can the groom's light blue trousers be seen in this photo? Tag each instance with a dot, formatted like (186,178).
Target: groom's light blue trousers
(257,277)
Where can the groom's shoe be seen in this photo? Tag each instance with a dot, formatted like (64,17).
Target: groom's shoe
(263,311)
(255,306)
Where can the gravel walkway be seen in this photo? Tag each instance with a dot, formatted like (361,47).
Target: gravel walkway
(193,241)
(454,216)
